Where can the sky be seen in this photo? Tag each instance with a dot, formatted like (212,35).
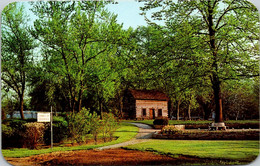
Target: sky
(128,13)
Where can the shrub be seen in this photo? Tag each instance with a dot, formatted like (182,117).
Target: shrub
(170,129)
(79,125)
(7,134)
(161,121)
(95,126)
(60,128)
(15,123)
(13,133)
(7,131)
(33,134)
(109,125)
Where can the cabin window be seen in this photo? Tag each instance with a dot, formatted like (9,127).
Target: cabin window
(144,112)
(159,112)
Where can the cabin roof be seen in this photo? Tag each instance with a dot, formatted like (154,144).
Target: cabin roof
(148,95)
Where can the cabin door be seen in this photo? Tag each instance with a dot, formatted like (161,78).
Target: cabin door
(151,114)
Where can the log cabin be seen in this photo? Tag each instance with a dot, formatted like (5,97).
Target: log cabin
(144,104)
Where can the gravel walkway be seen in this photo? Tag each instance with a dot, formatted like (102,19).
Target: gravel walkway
(144,134)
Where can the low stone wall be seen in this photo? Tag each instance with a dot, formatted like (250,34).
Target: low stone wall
(211,135)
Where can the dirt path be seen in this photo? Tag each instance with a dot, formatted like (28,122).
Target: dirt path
(144,134)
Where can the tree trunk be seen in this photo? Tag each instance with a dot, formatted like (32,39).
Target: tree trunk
(171,109)
(73,104)
(207,111)
(218,101)
(189,115)
(79,100)
(121,106)
(100,107)
(178,109)
(215,79)
(237,115)
(21,106)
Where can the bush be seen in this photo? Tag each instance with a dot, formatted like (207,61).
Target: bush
(12,133)
(95,126)
(7,134)
(79,125)
(15,123)
(7,131)
(60,129)
(109,126)
(171,129)
(161,121)
(33,134)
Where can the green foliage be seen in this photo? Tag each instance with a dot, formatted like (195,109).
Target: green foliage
(7,131)
(241,99)
(84,37)
(33,134)
(83,123)
(17,46)
(60,130)
(109,126)
(9,103)
(194,53)
(161,121)
(95,126)
(87,60)
(15,124)
(17,128)
(79,125)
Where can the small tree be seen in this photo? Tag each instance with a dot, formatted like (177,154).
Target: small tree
(17,46)
(95,126)
(109,125)
(79,124)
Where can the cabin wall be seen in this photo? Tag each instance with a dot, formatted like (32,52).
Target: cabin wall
(149,106)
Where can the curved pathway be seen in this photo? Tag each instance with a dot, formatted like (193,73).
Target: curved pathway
(144,134)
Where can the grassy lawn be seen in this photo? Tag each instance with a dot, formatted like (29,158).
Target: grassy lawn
(245,151)
(124,133)
(187,122)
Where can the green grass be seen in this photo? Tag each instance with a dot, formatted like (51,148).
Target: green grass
(124,133)
(227,150)
(242,121)
(187,122)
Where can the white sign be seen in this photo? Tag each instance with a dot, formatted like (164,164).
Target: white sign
(43,117)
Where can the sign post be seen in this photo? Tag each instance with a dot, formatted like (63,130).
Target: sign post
(46,117)
(51,130)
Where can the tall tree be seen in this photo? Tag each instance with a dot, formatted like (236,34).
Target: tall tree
(75,34)
(160,65)
(17,47)
(224,34)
